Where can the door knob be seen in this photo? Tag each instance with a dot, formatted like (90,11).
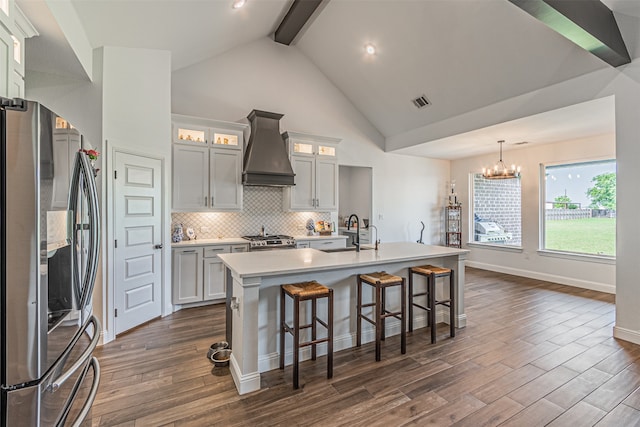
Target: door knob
(160,246)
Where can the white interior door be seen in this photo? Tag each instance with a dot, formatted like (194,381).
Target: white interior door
(138,240)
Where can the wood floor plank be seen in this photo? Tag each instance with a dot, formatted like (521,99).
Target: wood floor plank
(450,413)
(578,388)
(543,385)
(579,415)
(493,414)
(538,414)
(532,352)
(614,391)
(622,415)
(513,380)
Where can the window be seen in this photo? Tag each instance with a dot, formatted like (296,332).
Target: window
(580,208)
(497,205)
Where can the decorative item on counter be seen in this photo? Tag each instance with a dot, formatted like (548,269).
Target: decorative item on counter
(324,228)
(453,197)
(310,227)
(93,156)
(178,234)
(191,234)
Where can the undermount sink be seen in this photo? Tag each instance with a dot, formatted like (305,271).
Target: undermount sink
(347,249)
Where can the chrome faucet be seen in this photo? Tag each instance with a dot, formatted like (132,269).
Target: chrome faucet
(357,242)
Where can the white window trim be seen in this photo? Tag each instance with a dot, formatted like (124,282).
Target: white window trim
(472,231)
(505,248)
(576,256)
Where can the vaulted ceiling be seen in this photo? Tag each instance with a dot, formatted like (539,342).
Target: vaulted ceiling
(460,54)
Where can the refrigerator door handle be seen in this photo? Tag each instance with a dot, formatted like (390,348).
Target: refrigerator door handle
(92,393)
(86,355)
(84,180)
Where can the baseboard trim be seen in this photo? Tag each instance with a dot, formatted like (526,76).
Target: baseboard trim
(626,334)
(563,280)
(244,383)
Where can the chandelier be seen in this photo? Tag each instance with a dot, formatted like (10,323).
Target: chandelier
(500,170)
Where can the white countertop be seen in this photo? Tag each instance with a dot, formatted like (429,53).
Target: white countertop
(272,263)
(210,242)
(240,240)
(333,236)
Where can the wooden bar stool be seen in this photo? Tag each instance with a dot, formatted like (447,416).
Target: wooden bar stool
(302,292)
(381,281)
(432,273)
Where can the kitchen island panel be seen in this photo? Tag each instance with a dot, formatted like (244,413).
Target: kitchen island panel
(256,282)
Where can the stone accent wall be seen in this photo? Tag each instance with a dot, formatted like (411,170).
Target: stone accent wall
(499,200)
(261,206)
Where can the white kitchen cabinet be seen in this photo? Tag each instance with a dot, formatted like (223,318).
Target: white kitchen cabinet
(213,286)
(314,161)
(66,143)
(187,275)
(225,184)
(198,273)
(190,177)
(207,165)
(327,243)
(14,29)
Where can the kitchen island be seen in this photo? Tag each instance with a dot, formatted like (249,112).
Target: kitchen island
(253,286)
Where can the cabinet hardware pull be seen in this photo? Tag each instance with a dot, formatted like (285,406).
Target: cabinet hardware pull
(205,201)
(160,246)
(191,250)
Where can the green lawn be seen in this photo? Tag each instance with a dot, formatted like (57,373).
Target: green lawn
(589,235)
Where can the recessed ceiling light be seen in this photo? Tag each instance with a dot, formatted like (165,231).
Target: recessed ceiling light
(370,49)
(237,4)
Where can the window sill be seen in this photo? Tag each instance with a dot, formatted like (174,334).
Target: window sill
(504,248)
(602,259)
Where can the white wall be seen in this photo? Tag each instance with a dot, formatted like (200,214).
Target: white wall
(269,76)
(624,83)
(529,263)
(355,192)
(137,118)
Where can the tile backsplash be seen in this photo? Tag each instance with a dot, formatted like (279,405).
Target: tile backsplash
(262,206)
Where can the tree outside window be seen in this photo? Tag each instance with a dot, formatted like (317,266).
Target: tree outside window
(580,208)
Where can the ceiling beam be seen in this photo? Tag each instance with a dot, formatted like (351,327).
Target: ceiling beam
(588,23)
(297,16)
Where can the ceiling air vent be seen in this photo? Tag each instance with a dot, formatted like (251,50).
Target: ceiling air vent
(421,102)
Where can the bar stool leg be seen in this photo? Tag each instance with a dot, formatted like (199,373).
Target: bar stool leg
(330,335)
(383,311)
(296,341)
(314,329)
(403,315)
(378,310)
(283,332)
(410,301)
(431,285)
(452,306)
(359,313)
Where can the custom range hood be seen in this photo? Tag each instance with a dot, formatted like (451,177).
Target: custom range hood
(265,160)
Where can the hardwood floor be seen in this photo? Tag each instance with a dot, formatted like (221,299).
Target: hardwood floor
(533,353)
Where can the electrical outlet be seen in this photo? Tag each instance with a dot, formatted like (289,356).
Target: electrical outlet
(205,229)
(301,227)
(380,217)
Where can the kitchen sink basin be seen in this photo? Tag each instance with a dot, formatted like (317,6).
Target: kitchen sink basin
(347,249)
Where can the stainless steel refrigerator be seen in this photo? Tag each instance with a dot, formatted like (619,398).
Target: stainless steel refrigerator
(48,261)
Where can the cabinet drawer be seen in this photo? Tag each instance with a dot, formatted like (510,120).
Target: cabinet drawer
(213,251)
(240,248)
(327,244)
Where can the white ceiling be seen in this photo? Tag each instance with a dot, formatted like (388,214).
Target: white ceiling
(462,54)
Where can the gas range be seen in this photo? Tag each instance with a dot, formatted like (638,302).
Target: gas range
(272,241)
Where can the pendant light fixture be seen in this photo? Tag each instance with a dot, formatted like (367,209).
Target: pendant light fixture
(500,170)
